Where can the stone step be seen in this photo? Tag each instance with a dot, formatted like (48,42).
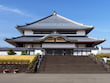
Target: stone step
(69,64)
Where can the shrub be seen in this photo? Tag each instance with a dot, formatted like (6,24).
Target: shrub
(101,55)
(24,52)
(11,52)
(104,54)
(17,58)
(108,61)
(31,65)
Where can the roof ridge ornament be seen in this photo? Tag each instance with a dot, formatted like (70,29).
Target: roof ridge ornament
(54,13)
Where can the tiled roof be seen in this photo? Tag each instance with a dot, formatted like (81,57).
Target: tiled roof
(85,39)
(55,21)
(35,38)
(26,38)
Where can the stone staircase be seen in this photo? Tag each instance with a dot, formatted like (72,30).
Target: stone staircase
(70,64)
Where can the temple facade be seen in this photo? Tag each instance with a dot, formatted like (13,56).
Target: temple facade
(56,35)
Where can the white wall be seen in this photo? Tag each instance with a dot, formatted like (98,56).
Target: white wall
(3,53)
(38,52)
(95,52)
(81,32)
(17,53)
(28,32)
(32,53)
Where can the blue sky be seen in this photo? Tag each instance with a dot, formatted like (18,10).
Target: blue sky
(89,12)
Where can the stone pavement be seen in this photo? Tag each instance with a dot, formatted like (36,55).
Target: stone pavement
(54,78)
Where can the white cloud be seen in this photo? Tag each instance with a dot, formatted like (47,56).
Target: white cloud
(17,11)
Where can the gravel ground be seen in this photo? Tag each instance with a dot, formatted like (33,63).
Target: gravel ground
(54,78)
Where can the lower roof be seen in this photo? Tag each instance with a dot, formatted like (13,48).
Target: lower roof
(76,39)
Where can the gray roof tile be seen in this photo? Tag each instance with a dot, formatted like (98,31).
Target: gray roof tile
(55,22)
(35,38)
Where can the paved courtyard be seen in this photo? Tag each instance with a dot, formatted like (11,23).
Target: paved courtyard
(54,78)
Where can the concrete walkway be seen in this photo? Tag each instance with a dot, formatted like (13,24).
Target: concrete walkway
(54,78)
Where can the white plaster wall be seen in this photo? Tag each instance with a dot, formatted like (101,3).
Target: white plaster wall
(81,53)
(28,32)
(95,52)
(38,52)
(18,52)
(81,32)
(3,53)
(32,53)
(100,51)
(104,51)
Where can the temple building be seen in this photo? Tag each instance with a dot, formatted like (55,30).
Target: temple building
(55,35)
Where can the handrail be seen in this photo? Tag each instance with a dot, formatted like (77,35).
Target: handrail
(106,66)
(38,62)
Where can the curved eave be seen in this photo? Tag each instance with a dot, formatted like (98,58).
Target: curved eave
(87,29)
(22,41)
(94,42)
(10,42)
(14,42)
(74,41)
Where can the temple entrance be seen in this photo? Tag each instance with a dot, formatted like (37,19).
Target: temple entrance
(59,51)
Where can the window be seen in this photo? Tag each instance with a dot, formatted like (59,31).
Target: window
(42,32)
(67,32)
(57,31)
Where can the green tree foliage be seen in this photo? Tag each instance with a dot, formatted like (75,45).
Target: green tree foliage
(31,65)
(11,52)
(24,52)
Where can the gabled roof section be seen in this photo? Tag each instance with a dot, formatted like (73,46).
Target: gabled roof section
(55,36)
(54,21)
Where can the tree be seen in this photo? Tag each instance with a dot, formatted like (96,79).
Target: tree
(11,52)
(24,52)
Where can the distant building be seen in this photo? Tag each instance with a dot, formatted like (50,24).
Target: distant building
(55,35)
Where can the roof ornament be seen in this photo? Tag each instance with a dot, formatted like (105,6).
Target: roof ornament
(54,13)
